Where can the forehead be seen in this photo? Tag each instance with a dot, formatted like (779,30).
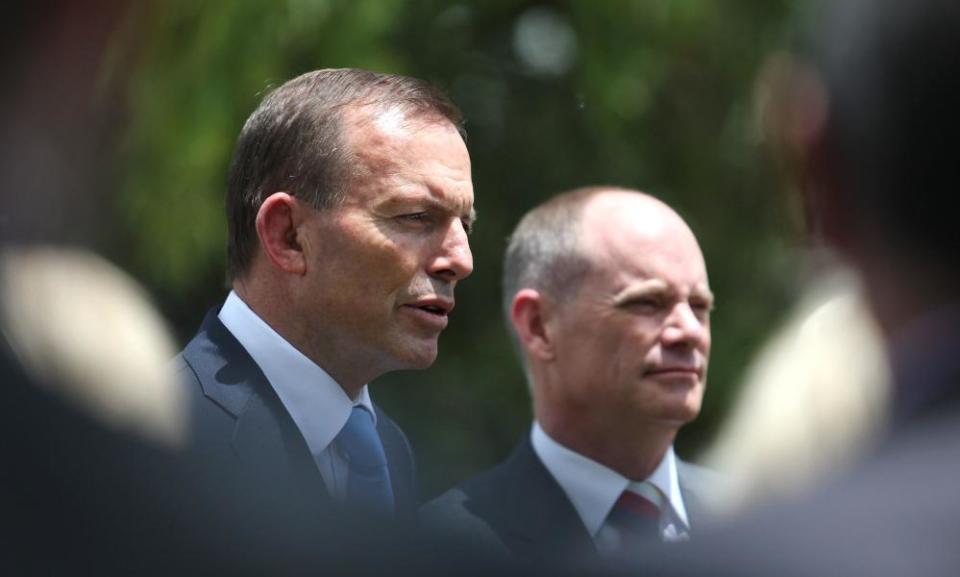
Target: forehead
(630,238)
(395,154)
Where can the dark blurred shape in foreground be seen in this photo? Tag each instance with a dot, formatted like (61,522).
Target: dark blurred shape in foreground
(879,164)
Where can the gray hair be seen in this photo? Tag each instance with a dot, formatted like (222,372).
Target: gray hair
(545,253)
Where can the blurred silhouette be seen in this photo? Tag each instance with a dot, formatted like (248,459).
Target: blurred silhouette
(878,160)
(813,401)
(91,422)
(606,295)
(76,321)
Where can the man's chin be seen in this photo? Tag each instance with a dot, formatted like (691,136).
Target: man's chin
(678,413)
(419,354)
(682,415)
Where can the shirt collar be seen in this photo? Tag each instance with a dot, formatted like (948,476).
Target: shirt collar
(318,405)
(594,488)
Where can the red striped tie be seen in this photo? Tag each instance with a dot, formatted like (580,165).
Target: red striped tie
(636,517)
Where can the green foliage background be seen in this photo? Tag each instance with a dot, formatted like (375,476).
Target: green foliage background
(657,95)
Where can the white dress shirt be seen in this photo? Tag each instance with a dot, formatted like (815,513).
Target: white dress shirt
(593,489)
(318,405)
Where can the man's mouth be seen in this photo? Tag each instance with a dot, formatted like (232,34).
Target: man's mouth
(675,371)
(433,305)
(435,308)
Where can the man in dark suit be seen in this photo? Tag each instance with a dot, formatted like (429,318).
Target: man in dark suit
(606,293)
(876,135)
(349,202)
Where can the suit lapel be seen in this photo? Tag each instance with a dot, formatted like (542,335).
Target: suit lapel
(401,466)
(697,484)
(529,511)
(265,437)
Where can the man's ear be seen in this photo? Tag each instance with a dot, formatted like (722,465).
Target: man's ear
(529,313)
(277,225)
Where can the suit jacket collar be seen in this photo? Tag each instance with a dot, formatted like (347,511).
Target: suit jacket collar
(264,433)
(697,485)
(529,511)
(593,488)
(265,436)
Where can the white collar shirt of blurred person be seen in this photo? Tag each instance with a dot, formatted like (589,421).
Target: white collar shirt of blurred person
(594,489)
(318,405)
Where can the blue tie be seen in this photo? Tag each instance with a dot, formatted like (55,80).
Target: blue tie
(368,479)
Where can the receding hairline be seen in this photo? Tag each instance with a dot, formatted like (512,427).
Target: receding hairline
(647,205)
(360,113)
(573,205)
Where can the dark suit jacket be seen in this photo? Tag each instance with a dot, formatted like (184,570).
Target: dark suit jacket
(239,423)
(519,508)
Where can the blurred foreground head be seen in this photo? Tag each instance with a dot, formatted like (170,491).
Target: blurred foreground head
(80,327)
(607,295)
(876,132)
(85,330)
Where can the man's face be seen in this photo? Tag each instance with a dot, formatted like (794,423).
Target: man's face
(633,341)
(382,266)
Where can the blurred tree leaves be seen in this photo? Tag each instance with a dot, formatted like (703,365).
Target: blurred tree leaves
(656,94)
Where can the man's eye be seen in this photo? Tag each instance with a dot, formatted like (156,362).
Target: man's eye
(417,217)
(646,304)
(701,308)
(467,225)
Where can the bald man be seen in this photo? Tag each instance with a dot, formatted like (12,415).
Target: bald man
(606,294)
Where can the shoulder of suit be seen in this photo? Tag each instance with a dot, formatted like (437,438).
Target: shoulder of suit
(699,472)
(450,520)
(707,484)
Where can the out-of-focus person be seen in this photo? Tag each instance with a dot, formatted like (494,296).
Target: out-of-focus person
(813,401)
(76,321)
(816,396)
(879,112)
(606,294)
(91,424)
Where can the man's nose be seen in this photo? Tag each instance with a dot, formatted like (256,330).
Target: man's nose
(684,326)
(453,261)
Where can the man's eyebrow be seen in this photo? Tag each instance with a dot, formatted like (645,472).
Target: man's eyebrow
(656,286)
(640,289)
(704,293)
(433,203)
(427,203)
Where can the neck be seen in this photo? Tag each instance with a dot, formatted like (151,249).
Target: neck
(271,304)
(634,451)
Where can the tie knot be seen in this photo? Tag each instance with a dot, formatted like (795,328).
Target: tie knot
(359,442)
(635,504)
(636,517)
